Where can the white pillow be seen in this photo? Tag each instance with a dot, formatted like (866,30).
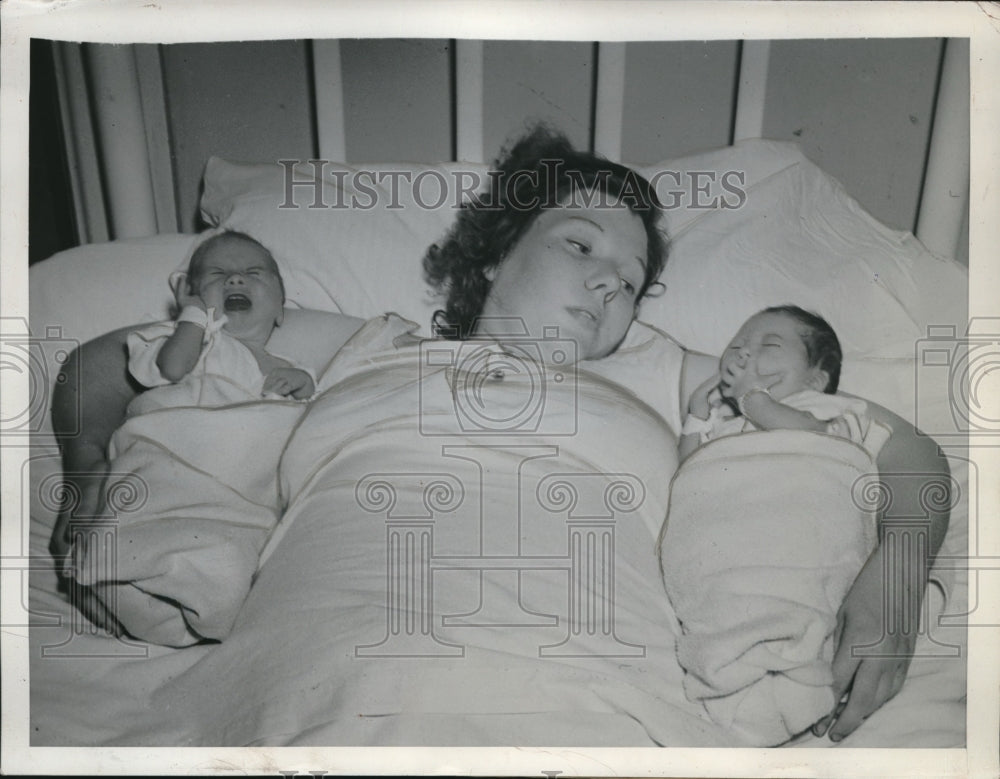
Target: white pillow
(362,260)
(794,236)
(797,238)
(366,261)
(96,288)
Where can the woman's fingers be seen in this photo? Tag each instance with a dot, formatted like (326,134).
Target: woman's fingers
(871,681)
(877,680)
(820,728)
(286,381)
(94,609)
(843,669)
(59,541)
(861,702)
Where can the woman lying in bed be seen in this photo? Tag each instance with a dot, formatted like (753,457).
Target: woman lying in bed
(540,270)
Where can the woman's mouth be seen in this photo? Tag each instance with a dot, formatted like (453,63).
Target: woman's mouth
(237,302)
(588,315)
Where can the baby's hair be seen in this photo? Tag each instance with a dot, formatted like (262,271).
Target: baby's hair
(822,346)
(204,247)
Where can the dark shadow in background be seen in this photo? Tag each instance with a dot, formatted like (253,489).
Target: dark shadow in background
(51,220)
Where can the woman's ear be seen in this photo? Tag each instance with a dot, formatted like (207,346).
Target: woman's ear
(818,380)
(490,273)
(280,317)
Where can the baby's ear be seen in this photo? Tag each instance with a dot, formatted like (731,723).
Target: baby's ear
(279,318)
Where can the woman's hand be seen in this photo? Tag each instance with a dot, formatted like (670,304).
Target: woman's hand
(872,680)
(88,490)
(289,381)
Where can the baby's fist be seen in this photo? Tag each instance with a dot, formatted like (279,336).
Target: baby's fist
(700,404)
(183,294)
(289,381)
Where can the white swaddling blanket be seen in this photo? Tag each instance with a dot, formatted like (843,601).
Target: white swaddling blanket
(204,498)
(765,534)
(421,591)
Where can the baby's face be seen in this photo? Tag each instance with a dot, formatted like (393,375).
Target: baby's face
(770,345)
(241,279)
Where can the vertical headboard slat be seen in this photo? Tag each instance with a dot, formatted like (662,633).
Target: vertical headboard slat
(945,195)
(328,85)
(751,90)
(149,70)
(80,143)
(609,100)
(469,101)
(122,138)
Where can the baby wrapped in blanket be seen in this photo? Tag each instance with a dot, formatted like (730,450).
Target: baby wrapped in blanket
(199,452)
(766,529)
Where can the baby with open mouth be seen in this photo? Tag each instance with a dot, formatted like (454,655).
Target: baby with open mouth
(215,352)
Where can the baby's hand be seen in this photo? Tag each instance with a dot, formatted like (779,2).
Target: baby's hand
(699,404)
(182,292)
(737,381)
(846,426)
(289,381)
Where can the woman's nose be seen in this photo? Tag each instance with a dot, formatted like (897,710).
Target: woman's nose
(606,280)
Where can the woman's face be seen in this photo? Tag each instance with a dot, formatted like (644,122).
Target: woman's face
(576,269)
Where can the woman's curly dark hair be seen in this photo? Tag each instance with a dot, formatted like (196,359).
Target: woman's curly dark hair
(536,173)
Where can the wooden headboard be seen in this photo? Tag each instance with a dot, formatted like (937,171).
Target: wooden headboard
(889,118)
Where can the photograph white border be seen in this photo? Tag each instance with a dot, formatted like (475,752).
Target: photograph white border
(627,20)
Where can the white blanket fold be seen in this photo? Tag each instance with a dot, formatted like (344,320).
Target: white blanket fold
(181,561)
(764,536)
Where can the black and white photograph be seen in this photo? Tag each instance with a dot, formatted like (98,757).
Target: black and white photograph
(524,388)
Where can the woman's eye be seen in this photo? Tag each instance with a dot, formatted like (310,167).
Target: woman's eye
(579,246)
(628,286)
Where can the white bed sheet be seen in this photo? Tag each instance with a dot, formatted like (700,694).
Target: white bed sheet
(87,689)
